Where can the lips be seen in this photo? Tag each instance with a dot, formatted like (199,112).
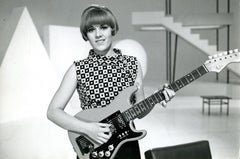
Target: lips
(100,41)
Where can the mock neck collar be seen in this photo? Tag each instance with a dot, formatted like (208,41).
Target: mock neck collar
(103,59)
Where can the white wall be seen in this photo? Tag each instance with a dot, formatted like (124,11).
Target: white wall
(67,13)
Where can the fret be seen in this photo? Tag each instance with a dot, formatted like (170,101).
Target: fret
(195,74)
(184,81)
(174,86)
(202,70)
(161,95)
(128,116)
(147,104)
(156,95)
(142,106)
(137,110)
(198,73)
(155,98)
(132,112)
(150,100)
(190,77)
(179,84)
(186,77)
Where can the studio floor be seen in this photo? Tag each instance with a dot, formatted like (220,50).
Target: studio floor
(181,122)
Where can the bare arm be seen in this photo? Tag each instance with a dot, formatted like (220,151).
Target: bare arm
(57,114)
(59,101)
(139,83)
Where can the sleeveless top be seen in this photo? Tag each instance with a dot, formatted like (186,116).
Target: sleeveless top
(101,78)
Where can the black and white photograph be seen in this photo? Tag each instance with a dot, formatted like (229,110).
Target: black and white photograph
(120,79)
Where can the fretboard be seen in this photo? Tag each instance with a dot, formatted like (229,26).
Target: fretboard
(148,103)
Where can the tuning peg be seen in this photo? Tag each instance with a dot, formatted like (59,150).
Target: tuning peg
(235,50)
(215,56)
(220,54)
(230,51)
(210,57)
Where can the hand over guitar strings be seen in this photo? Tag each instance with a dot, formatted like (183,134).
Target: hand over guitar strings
(168,94)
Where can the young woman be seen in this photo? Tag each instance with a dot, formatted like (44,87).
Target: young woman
(99,79)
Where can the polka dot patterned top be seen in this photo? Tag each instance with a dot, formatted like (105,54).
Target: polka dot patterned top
(101,78)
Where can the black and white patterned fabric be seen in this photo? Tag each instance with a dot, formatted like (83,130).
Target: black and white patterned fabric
(101,78)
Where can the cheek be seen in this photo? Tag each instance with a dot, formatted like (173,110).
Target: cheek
(90,38)
(109,35)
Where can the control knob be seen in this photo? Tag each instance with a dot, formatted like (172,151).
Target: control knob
(107,153)
(110,147)
(100,154)
(94,154)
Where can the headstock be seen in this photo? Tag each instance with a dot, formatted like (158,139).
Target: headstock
(217,62)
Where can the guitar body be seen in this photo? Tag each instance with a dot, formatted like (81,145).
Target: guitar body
(122,131)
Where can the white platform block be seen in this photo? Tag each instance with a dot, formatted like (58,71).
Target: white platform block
(27,83)
(27,77)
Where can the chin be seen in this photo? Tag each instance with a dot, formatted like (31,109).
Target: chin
(103,48)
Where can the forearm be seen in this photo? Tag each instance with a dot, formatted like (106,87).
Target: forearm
(66,121)
(56,112)
(139,94)
(98,132)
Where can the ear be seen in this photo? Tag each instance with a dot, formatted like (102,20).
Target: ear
(113,32)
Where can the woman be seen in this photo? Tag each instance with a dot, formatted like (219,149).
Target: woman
(98,79)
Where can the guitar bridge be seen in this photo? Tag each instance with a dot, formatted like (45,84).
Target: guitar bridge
(84,144)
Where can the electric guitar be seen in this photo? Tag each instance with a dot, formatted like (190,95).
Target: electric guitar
(120,113)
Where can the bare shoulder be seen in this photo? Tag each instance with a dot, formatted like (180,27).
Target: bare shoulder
(71,71)
(139,72)
(70,76)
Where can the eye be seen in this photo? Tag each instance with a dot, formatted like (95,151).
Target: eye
(104,27)
(90,29)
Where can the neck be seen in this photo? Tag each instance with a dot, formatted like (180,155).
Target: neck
(108,52)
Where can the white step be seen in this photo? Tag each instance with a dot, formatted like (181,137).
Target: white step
(159,19)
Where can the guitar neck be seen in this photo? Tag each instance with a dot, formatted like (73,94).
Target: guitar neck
(147,104)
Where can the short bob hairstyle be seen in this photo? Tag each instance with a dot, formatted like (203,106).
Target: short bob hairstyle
(96,14)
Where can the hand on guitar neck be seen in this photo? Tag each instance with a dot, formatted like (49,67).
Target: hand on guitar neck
(168,94)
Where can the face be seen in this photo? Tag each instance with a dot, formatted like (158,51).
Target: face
(100,37)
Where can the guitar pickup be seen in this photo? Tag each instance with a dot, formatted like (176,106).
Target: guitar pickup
(84,144)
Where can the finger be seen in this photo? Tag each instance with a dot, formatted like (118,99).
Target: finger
(105,130)
(163,103)
(165,85)
(100,141)
(170,93)
(104,125)
(102,137)
(103,140)
(166,95)
(106,135)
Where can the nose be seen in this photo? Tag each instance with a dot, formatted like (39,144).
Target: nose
(98,33)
